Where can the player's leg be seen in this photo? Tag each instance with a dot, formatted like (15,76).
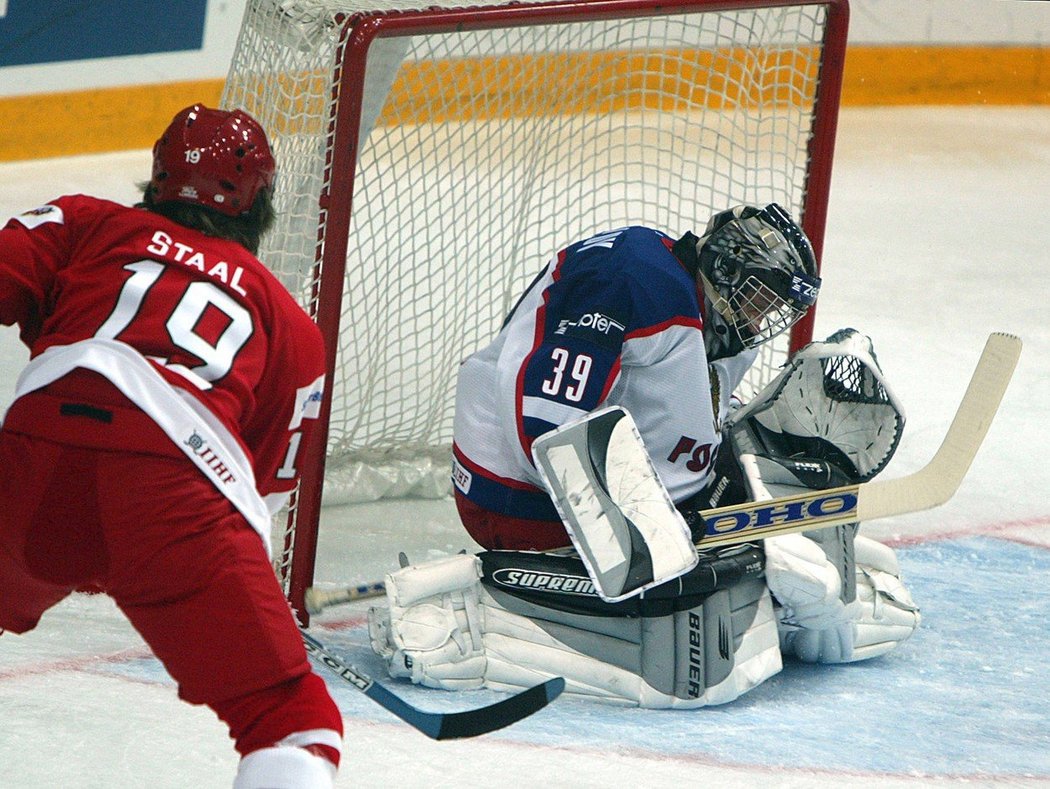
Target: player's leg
(195,581)
(496,531)
(46,490)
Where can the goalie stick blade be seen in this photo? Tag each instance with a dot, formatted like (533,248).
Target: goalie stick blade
(441,725)
(928,487)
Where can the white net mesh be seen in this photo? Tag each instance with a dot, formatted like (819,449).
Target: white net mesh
(484,151)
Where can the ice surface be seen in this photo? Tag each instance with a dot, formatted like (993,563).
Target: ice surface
(937,235)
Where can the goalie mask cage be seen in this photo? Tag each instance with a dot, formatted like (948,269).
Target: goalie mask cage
(431,160)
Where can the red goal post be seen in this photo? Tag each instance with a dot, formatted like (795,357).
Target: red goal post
(430,160)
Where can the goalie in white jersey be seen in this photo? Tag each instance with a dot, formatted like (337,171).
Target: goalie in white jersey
(633,318)
(666,330)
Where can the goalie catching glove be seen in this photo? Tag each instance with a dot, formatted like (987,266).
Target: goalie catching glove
(828,420)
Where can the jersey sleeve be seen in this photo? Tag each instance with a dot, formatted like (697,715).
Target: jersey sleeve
(32,246)
(288,402)
(620,301)
(577,357)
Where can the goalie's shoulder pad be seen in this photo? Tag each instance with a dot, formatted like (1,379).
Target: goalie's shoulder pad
(561,582)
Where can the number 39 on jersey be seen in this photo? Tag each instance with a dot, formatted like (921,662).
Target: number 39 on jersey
(568,376)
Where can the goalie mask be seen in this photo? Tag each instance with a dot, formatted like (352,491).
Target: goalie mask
(758,270)
(214,158)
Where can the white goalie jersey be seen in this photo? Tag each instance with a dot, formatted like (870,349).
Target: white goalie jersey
(612,320)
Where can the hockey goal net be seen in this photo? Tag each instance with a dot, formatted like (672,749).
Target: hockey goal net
(431,160)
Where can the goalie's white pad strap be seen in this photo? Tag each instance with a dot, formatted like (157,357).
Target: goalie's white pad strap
(448,574)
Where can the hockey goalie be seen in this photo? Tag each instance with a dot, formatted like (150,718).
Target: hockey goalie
(508,619)
(658,624)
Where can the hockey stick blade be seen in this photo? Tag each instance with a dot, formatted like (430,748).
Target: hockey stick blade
(441,725)
(928,487)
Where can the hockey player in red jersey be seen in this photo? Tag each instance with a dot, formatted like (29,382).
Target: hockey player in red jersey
(172,387)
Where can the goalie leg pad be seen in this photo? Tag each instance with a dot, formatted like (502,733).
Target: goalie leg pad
(805,583)
(715,647)
(840,595)
(431,631)
(883,615)
(710,654)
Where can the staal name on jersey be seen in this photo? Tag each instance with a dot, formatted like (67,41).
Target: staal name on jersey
(165,246)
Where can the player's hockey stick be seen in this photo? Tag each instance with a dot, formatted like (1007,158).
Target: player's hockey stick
(928,487)
(441,725)
(319,599)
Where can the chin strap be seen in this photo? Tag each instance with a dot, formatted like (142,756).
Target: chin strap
(718,301)
(721,342)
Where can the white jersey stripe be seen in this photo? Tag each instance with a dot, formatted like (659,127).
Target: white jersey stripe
(550,411)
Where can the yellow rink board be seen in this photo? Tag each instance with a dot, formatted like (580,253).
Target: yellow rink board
(64,124)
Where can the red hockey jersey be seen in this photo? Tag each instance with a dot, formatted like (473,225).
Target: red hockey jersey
(209,317)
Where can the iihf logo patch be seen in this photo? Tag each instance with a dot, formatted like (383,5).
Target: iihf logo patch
(213,462)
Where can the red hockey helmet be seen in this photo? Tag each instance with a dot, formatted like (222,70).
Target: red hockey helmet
(215,158)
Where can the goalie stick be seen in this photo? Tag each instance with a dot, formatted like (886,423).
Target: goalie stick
(441,725)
